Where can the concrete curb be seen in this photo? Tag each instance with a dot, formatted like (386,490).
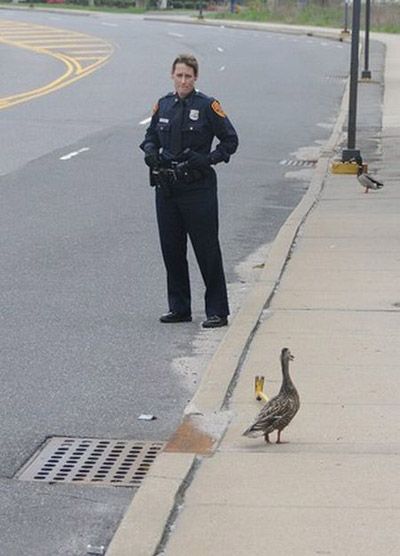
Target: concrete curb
(217,381)
(142,528)
(323,32)
(221,374)
(158,497)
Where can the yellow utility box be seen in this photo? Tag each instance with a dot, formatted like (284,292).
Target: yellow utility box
(339,167)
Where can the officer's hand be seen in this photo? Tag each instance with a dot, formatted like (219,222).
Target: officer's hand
(198,161)
(152,160)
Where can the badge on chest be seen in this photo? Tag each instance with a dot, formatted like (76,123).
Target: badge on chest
(194,115)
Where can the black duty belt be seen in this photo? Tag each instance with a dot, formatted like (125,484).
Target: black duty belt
(178,173)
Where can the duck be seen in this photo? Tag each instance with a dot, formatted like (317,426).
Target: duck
(365,179)
(368,181)
(277,413)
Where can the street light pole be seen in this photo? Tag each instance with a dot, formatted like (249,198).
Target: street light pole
(345,31)
(366,74)
(201,10)
(351,152)
(346,16)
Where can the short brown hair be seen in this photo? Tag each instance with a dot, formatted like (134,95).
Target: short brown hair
(188,60)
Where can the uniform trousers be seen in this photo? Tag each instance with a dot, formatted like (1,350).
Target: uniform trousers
(192,213)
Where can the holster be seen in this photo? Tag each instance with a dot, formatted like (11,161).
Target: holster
(162,178)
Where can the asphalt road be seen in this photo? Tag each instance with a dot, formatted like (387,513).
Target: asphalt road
(81,277)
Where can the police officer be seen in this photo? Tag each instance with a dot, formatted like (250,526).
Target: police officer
(177,148)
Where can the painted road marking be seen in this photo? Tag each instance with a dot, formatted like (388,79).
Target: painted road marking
(81,54)
(220,49)
(74,153)
(178,35)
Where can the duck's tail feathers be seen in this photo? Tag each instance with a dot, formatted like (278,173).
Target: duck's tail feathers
(253,431)
(378,184)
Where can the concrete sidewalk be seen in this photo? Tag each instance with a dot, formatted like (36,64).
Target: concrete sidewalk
(330,292)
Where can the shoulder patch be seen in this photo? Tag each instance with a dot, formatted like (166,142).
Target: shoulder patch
(218,109)
(156,107)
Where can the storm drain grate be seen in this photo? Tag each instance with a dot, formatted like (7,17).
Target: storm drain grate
(299,163)
(92,461)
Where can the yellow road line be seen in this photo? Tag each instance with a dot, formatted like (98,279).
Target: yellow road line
(34,33)
(85,57)
(61,40)
(69,47)
(48,36)
(89,48)
(64,53)
(45,88)
(84,53)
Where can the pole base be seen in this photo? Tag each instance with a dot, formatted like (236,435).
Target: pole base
(344,34)
(339,167)
(349,167)
(351,154)
(366,74)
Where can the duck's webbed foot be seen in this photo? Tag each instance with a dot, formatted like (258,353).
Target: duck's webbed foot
(278,440)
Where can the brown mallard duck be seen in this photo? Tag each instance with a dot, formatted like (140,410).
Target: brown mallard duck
(368,181)
(277,413)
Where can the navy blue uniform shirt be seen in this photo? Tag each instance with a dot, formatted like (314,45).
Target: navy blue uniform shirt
(203,119)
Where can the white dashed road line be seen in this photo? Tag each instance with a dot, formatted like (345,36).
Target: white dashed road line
(74,153)
(176,35)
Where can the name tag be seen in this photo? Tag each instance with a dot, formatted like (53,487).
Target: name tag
(163,120)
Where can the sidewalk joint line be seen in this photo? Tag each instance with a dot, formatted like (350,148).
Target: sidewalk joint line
(178,506)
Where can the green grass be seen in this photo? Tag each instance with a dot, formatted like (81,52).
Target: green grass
(310,15)
(267,16)
(384,18)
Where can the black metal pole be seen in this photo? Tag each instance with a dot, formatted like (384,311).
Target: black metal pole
(351,151)
(366,74)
